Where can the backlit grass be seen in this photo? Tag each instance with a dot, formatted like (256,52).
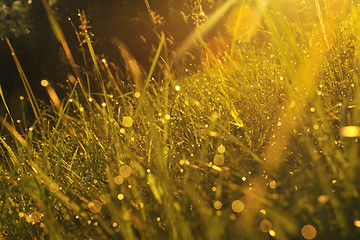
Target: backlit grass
(256,139)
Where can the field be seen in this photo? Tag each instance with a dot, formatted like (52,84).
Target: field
(249,134)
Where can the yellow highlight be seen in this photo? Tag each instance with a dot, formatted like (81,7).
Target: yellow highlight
(243,23)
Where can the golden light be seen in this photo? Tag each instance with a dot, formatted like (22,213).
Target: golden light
(243,22)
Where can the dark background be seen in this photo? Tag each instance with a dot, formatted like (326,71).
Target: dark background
(26,25)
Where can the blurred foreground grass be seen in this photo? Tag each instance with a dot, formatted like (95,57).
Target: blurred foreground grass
(258,140)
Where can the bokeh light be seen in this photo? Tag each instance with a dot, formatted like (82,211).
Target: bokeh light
(237,206)
(265,226)
(308,232)
(125,171)
(127,121)
(95,206)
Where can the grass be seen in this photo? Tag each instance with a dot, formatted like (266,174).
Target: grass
(256,141)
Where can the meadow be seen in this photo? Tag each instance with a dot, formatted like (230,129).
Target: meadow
(249,134)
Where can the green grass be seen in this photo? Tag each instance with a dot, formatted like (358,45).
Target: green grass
(259,141)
